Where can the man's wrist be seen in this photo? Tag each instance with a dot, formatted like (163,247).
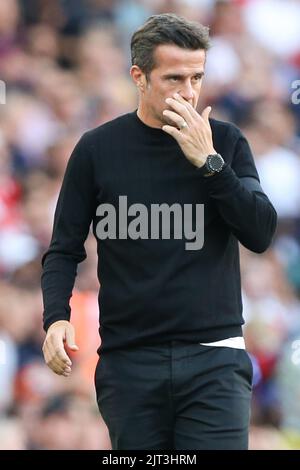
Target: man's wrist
(213,164)
(58,323)
(200,162)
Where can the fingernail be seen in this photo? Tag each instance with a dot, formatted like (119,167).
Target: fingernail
(168,100)
(176,95)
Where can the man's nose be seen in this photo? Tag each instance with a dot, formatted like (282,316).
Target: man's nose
(186,91)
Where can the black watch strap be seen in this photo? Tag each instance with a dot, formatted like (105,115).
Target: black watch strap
(208,169)
(204,171)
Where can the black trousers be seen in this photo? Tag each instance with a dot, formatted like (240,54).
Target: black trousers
(175,396)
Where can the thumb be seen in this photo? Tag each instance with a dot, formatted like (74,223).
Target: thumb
(206,112)
(70,339)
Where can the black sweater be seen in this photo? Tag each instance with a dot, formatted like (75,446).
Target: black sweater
(155,290)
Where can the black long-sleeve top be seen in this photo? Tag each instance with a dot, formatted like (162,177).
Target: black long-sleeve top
(155,290)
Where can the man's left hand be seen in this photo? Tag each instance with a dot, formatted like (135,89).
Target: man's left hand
(191,130)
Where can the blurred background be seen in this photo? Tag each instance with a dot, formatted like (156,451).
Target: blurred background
(65,65)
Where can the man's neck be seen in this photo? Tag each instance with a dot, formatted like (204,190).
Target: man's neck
(148,119)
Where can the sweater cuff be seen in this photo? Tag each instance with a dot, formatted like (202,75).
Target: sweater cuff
(53,318)
(226,181)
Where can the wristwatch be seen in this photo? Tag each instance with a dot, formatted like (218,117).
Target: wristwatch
(214,164)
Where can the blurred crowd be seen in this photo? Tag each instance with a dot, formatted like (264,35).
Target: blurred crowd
(64,67)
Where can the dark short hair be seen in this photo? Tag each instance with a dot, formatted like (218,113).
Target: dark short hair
(166,28)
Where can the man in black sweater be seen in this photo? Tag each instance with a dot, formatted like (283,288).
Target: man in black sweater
(173,371)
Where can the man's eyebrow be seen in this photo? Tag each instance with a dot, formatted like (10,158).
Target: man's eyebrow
(180,75)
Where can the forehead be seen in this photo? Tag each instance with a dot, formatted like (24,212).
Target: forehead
(169,57)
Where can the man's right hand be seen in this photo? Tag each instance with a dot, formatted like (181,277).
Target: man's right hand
(59,334)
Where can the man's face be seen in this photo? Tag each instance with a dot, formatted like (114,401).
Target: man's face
(176,70)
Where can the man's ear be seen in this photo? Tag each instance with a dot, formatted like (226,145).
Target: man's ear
(138,77)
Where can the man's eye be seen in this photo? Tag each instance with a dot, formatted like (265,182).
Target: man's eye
(174,79)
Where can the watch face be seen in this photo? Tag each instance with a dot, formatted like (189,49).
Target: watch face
(215,162)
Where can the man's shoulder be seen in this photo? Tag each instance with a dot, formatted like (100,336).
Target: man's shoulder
(224,129)
(109,128)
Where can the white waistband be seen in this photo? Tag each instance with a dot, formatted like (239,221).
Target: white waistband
(235,342)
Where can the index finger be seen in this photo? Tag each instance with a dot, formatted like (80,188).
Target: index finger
(188,105)
(180,109)
(60,352)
